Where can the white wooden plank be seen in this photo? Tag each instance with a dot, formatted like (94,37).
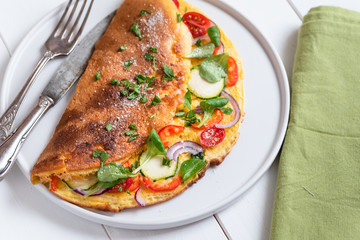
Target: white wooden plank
(206,229)
(250,217)
(26,214)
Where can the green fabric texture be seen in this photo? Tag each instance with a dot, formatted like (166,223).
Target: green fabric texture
(318,187)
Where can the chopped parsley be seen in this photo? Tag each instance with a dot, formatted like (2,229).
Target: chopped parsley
(129,133)
(179,18)
(134,28)
(103,155)
(152,116)
(124,92)
(198,43)
(156,100)
(132,126)
(152,49)
(143,98)
(126,82)
(169,73)
(166,161)
(127,64)
(190,118)
(133,95)
(149,57)
(122,48)
(133,137)
(108,127)
(180,114)
(127,191)
(142,12)
(115,82)
(97,76)
(187,100)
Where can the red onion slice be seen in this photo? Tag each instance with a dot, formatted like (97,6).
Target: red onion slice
(198,110)
(203,37)
(138,198)
(183,146)
(84,192)
(237,112)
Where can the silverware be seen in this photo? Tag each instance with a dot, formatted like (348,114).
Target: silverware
(65,77)
(61,42)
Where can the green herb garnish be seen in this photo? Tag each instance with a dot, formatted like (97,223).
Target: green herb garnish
(122,48)
(133,126)
(152,49)
(226,110)
(134,28)
(198,43)
(180,114)
(142,12)
(129,133)
(149,57)
(202,52)
(112,172)
(166,161)
(115,82)
(214,34)
(156,100)
(154,147)
(143,98)
(191,167)
(214,68)
(127,64)
(108,127)
(97,76)
(133,137)
(152,116)
(209,106)
(187,100)
(127,191)
(124,92)
(126,82)
(103,155)
(169,73)
(179,18)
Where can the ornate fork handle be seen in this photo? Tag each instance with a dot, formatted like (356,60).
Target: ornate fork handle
(13,143)
(7,119)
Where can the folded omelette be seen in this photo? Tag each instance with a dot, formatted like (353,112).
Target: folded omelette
(160,101)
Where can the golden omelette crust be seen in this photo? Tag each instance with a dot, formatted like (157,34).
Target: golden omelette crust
(83,114)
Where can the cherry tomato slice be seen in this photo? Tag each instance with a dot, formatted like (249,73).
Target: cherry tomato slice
(136,183)
(123,185)
(212,136)
(197,23)
(53,183)
(176,3)
(217,117)
(233,72)
(167,131)
(162,185)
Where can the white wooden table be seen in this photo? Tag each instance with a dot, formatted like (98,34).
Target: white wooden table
(26,214)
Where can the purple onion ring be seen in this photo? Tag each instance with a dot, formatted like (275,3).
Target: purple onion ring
(237,112)
(84,192)
(183,146)
(139,199)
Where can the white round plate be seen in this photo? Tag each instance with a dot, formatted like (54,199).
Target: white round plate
(261,134)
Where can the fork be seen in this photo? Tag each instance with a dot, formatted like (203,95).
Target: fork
(61,42)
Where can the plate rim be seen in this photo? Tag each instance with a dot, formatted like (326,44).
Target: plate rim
(284,90)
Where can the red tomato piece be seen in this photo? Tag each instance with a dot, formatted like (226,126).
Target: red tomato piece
(136,183)
(176,3)
(217,117)
(212,136)
(123,185)
(162,185)
(233,72)
(53,183)
(197,23)
(167,131)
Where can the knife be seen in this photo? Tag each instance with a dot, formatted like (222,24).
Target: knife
(65,77)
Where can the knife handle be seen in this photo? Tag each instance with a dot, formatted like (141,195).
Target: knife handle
(13,143)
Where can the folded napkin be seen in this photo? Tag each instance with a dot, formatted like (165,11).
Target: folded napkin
(318,189)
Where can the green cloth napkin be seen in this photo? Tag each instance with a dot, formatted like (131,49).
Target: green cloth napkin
(318,188)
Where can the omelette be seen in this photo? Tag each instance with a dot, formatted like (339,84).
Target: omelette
(160,101)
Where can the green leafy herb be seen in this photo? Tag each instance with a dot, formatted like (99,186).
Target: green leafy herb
(127,64)
(108,127)
(135,165)
(143,98)
(179,18)
(133,95)
(198,43)
(187,100)
(152,116)
(142,12)
(127,191)
(156,100)
(226,110)
(112,172)
(169,73)
(134,28)
(202,52)
(97,76)
(155,147)
(200,155)
(186,9)
(191,167)
(100,185)
(180,114)
(190,114)
(133,126)
(115,82)
(129,133)
(124,92)
(133,137)
(120,189)
(126,82)
(209,106)
(166,161)
(214,34)
(214,68)
(152,49)
(190,121)
(149,57)
(122,48)
(103,155)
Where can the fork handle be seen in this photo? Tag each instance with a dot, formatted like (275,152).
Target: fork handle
(14,142)
(7,119)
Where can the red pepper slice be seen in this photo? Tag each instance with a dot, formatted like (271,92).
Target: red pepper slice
(53,183)
(176,3)
(217,117)
(162,185)
(167,131)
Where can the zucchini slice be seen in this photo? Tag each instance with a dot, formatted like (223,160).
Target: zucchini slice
(84,183)
(154,168)
(202,88)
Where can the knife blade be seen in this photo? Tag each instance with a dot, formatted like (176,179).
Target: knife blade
(65,77)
